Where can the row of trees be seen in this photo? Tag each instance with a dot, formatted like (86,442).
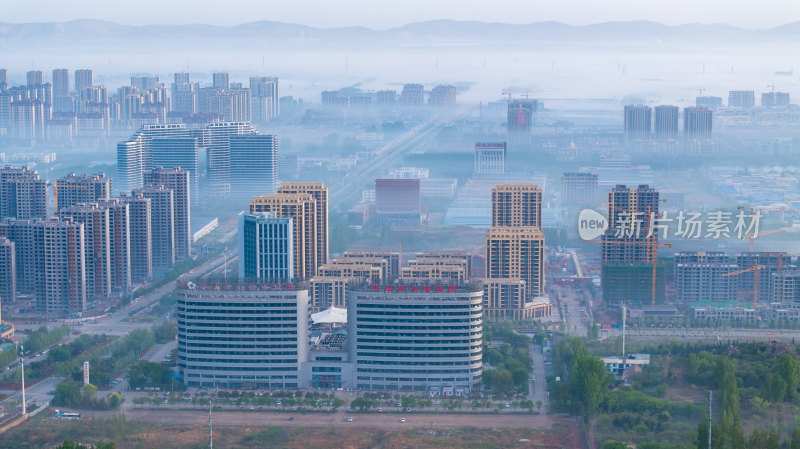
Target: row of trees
(721,324)
(41,338)
(107,360)
(69,444)
(782,384)
(311,399)
(72,394)
(502,330)
(58,358)
(145,374)
(777,379)
(759,439)
(8,356)
(585,380)
(165,331)
(746,377)
(512,363)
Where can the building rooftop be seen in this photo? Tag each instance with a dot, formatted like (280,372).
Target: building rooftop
(540,300)
(632,359)
(217,282)
(330,316)
(417,286)
(335,341)
(719,305)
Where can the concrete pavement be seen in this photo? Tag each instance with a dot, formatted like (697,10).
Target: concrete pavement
(159,352)
(702,334)
(115,324)
(34,393)
(386,420)
(112,325)
(538,387)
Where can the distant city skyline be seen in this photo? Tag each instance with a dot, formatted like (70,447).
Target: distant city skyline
(346,13)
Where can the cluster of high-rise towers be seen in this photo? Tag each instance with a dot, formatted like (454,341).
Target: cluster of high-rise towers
(56,113)
(240,161)
(284,237)
(97,246)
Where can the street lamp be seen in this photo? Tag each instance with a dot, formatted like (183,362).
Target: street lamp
(22,370)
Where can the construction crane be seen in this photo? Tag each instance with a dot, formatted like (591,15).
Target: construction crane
(510,94)
(649,243)
(55,192)
(653,258)
(755,269)
(753,235)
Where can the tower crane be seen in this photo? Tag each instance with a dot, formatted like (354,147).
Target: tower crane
(753,235)
(653,258)
(755,269)
(56,186)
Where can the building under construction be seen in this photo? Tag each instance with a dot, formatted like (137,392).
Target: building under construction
(629,250)
(631,282)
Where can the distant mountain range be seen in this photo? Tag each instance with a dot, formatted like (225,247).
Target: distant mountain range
(432,33)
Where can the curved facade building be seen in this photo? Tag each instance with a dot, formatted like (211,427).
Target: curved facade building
(241,333)
(416,336)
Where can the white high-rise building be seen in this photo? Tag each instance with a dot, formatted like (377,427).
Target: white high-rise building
(264,99)
(242,333)
(253,165)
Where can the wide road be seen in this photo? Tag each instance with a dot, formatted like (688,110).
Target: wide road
(115,324)
(112,325)
(366,420)
(572,314)
(702,334)
(538,386)
(159,352)
(388,156)
(34,393)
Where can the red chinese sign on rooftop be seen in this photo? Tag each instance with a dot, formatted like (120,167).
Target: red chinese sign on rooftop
(414,289)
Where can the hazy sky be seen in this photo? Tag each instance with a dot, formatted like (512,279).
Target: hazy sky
(381,14)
